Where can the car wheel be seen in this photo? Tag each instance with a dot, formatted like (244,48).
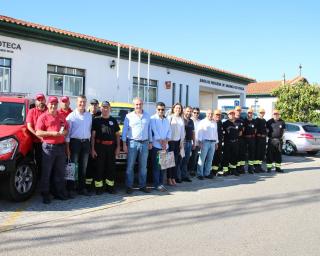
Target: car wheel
(312,153)
(22,182)
(288,148)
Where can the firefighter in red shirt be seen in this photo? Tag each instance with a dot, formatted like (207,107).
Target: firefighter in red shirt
(52,128)
(31,120)
(65,109)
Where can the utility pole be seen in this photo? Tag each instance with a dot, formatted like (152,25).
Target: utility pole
(300,67)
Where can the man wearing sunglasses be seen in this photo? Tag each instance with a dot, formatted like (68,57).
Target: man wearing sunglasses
(192,166)
(161,133)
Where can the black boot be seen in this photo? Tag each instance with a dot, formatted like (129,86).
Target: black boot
(111,189)
(46,199)
(278,169)
(261,169)
(235,172)
(99,191)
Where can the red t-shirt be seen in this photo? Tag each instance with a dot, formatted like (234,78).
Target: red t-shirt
(64,113)
(32,118)
(49,122)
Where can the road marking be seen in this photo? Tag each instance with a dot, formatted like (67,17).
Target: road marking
(9,222)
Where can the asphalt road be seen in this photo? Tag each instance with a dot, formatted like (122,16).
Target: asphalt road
(261,214)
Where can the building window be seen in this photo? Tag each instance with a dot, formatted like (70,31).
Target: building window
(65,81)
(180,93)
(187,95)
(173,93)
(5,73)
(143,90)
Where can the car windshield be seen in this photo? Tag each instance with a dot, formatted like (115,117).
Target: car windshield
(119,113)
(12,113)
(311,128)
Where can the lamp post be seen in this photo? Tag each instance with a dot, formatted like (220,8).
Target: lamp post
(255,104)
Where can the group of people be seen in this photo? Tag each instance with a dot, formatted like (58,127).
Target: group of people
(91,139)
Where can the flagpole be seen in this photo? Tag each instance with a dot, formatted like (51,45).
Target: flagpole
(139,60)
(129,74)
(118,67)
(148,77)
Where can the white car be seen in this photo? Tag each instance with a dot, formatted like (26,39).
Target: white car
(301,137)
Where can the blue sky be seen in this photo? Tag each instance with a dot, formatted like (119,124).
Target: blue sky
(260,39)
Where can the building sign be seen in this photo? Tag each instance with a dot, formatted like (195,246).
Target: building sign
(167,84)
(220,84)
(9,46)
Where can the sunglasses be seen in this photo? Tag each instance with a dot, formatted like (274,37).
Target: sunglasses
(160,109)
(196,113)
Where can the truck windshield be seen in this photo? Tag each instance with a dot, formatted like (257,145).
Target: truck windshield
(119,113)
(12,113)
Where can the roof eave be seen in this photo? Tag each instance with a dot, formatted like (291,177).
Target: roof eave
(52,37)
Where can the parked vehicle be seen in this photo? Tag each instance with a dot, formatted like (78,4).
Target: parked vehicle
(301,137)
(119,110)
(18,173)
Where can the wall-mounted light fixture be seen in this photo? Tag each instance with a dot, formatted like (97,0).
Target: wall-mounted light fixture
(112,64)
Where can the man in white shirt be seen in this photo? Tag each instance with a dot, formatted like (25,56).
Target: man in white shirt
(207,135)
(78,141)
(161,133)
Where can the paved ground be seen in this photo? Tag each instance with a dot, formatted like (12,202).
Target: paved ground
(261,214)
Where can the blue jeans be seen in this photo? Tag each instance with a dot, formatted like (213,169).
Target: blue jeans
(156,170)
(185,160)
(135,148)
(205,158)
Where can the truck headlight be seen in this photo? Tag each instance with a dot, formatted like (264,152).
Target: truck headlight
(8,146)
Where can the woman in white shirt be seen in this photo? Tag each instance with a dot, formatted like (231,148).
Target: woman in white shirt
(176,140)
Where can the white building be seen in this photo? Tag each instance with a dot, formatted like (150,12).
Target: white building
(36,58)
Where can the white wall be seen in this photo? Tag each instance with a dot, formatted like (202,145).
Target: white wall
(29,73)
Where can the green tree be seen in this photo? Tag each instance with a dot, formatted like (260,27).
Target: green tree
(299,102)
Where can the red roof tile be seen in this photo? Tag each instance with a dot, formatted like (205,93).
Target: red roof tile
(268,86)
(113,43)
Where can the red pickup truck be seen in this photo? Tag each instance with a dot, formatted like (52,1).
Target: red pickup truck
(18,173)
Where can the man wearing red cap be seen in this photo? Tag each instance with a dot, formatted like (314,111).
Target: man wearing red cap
(65,109)
(52,128)
(31,120)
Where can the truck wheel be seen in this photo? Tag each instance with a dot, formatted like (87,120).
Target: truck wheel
(22,182)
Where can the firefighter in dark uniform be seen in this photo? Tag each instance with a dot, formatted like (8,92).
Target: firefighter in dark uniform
(217,159)
(105,142)
(275,127)
(241,161)
(232,132)
(91,167)
(249,135)
(261,126)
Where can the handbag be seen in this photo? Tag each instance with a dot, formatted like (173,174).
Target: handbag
(71,171)
(166,159)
